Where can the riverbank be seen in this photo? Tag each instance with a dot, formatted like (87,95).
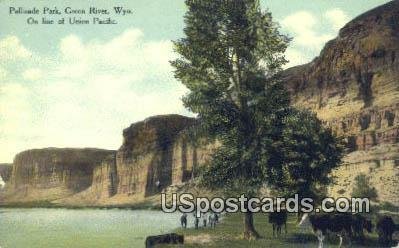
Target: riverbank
(229,234)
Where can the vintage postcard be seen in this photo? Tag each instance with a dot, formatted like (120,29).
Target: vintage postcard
(199,123)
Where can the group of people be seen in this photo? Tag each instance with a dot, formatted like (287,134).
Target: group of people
(207,219)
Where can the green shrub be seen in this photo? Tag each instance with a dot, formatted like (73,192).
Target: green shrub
(363,189)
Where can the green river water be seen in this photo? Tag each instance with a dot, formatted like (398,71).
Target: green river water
(53,228)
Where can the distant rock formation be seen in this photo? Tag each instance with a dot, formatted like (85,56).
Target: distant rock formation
(353,86)
(52,173)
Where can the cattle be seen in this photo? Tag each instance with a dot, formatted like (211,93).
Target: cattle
(171,238)
(322,224)
(360,223)
(278,219)
(385,228)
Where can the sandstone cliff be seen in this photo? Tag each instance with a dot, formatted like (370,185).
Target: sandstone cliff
(48,174)
(145,160)
(155,154)
(354,87)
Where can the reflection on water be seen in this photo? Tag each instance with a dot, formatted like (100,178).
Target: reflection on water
(81,228)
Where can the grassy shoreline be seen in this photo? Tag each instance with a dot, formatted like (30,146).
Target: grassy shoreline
(229,234)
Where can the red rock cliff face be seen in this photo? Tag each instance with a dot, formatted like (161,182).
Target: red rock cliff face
(354,87)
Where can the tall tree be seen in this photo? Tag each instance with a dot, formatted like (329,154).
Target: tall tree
(229,59)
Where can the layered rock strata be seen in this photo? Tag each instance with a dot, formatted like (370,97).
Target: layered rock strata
(47,174)
(353,86)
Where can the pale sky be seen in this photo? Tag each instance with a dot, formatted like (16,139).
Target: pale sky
(80,86)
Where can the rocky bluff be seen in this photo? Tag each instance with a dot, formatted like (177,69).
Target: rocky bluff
(48,174)
(155,154)
(148,159)
(353,86)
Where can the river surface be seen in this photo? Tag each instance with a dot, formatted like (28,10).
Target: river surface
(53,228)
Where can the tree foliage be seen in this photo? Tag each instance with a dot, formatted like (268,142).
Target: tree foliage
(230,59)
(303,156)
(362,188)
(230,55)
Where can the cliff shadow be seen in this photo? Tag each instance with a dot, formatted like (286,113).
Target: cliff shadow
(160,169)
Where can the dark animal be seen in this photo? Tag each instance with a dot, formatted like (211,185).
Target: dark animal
(322,224)
(278,219)
(359,223)
(385,228)
(171,238)
(336,223)
(183,220)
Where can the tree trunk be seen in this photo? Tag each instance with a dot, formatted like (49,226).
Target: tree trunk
(249,228)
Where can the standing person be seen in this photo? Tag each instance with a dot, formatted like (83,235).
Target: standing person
(183,220)
(204,219)
(211,220)
(216,216)
(196,221)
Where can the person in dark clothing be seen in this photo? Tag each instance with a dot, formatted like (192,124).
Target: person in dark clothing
(196,222)
(183,220)
(204,220)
